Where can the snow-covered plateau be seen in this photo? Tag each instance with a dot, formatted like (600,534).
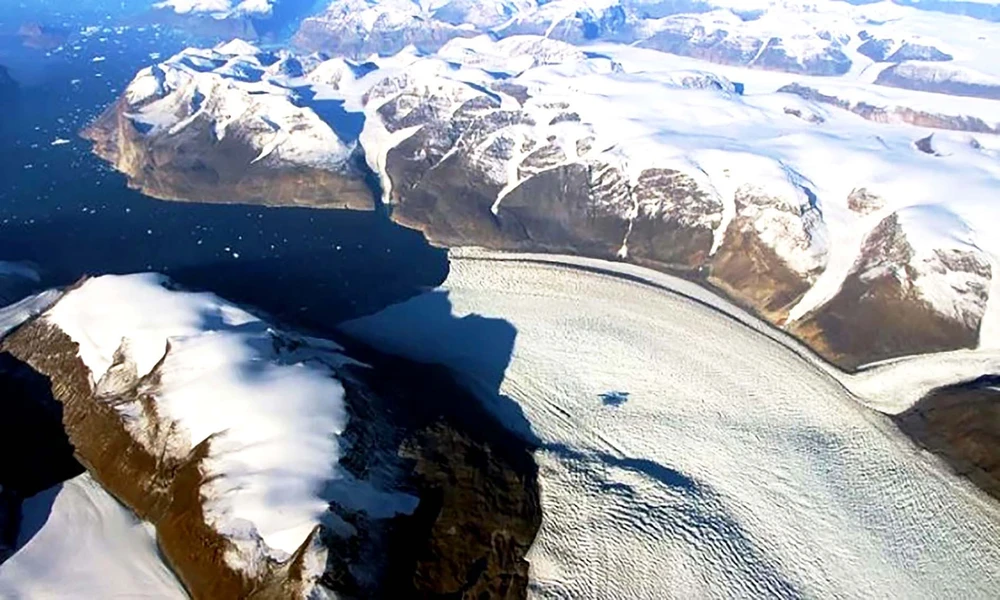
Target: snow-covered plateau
(818,201)
(687,449)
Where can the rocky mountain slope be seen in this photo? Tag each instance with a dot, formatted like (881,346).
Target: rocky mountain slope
(961,423)
(905,290)
(273,465)
(211,126)
(765,187)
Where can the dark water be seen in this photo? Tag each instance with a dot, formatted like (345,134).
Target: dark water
(63,209)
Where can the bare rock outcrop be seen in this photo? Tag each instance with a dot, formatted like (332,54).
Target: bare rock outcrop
(961,423)
(895,114)
(197,128)
(752,265)
(903,296)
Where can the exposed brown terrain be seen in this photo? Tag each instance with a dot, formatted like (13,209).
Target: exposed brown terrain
(961,423)
(193,166)
(571,208)
(899,114)
(864,202)
(160,490)
(484,173)
(750,271)
(477,482)
(878,313)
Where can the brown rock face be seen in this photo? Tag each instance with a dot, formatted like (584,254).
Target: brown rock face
(961,423)
(879,312)
(443,184)
(193,166)
(675,220)
(477,482)
(483,517)
(162,491)
(749,270)
(895,114)
(861,201)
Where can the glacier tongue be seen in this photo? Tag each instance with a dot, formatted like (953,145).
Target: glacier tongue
(736,464)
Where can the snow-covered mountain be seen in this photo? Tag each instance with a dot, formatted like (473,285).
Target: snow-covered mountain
(758,146)
(914,45)
(225,125)
(268,463)
(666,162)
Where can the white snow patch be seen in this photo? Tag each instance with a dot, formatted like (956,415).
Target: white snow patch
(85,545)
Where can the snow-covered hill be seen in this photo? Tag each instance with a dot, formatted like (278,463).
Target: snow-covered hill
(180,397)
(267,461)
(223,125)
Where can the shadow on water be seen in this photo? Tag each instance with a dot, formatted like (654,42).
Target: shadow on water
(38,456)
(477,349)
(442,368)
(346,124)
(62,209)
(330,267)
